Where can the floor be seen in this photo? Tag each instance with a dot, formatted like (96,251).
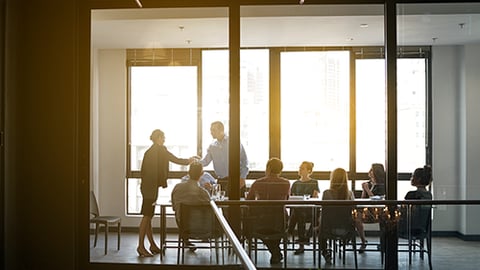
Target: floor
(448,253)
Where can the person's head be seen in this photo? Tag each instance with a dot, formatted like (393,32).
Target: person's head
(338,182)
(195,171)
(217,130)
(274,166)
(305,169)
(157,137)
(377,173)
(422,176)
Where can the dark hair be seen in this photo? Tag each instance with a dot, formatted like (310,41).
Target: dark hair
(275,165)
(338,183)
(156,134)
(423,176)
(379,173)
(195,171)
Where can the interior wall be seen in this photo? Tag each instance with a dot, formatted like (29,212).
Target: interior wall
(472,139)
(445,93)
(111,125)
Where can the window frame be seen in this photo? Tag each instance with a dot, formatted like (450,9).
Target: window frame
(145,57)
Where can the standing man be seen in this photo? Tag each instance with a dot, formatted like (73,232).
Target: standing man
(271,187)
(218,153)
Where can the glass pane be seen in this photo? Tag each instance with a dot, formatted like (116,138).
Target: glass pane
(371,112)
(164,98)
(411,110)
(315,109)
(254,71)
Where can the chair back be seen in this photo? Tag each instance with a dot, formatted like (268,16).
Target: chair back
(420,218)
(337,220)
(265,221)
(197,221)
(93,205)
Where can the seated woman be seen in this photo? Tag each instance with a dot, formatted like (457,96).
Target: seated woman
(421,178)
(299,216)
(338,191)
(420,214)
(374,187)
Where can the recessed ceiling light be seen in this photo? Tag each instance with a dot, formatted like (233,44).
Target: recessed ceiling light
(364,25)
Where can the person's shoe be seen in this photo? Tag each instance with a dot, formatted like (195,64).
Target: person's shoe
(299,251)
(142,252)
(155,250)
(362,248)
(327,254)
(190,245)
(276,259)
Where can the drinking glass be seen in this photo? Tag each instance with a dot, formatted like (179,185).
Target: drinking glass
(221,196)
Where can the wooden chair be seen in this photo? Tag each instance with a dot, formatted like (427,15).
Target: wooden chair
(106,221)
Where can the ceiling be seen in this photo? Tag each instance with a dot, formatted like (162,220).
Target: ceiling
(279,26)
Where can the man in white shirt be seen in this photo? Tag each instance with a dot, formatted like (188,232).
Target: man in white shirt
(218,153)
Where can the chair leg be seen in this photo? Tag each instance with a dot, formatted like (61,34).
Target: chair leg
(410,243)
(179,246)
(106,238)
(119,230)
(355,252)
(96,235)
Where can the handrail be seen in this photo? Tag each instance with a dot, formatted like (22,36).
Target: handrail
(242,254)
(349,202)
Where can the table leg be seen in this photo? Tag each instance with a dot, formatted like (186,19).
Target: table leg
(163,224)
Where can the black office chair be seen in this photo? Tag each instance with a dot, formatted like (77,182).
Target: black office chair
(106,221)
(198,224)
(265,223)
(337,226)
(415,225)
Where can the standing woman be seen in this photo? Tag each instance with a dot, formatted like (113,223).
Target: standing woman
(154,174)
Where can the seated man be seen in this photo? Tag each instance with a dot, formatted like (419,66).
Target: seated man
(189,191)
(271,187)
(206,181)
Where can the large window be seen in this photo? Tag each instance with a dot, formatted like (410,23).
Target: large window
(371,113)
(163,97)
(254,98)
(315,109)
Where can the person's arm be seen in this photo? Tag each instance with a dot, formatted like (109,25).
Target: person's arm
(251,192)
(181,161)
(173,198)
(366,192)
(243,165)
(316,191)
(207,158)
